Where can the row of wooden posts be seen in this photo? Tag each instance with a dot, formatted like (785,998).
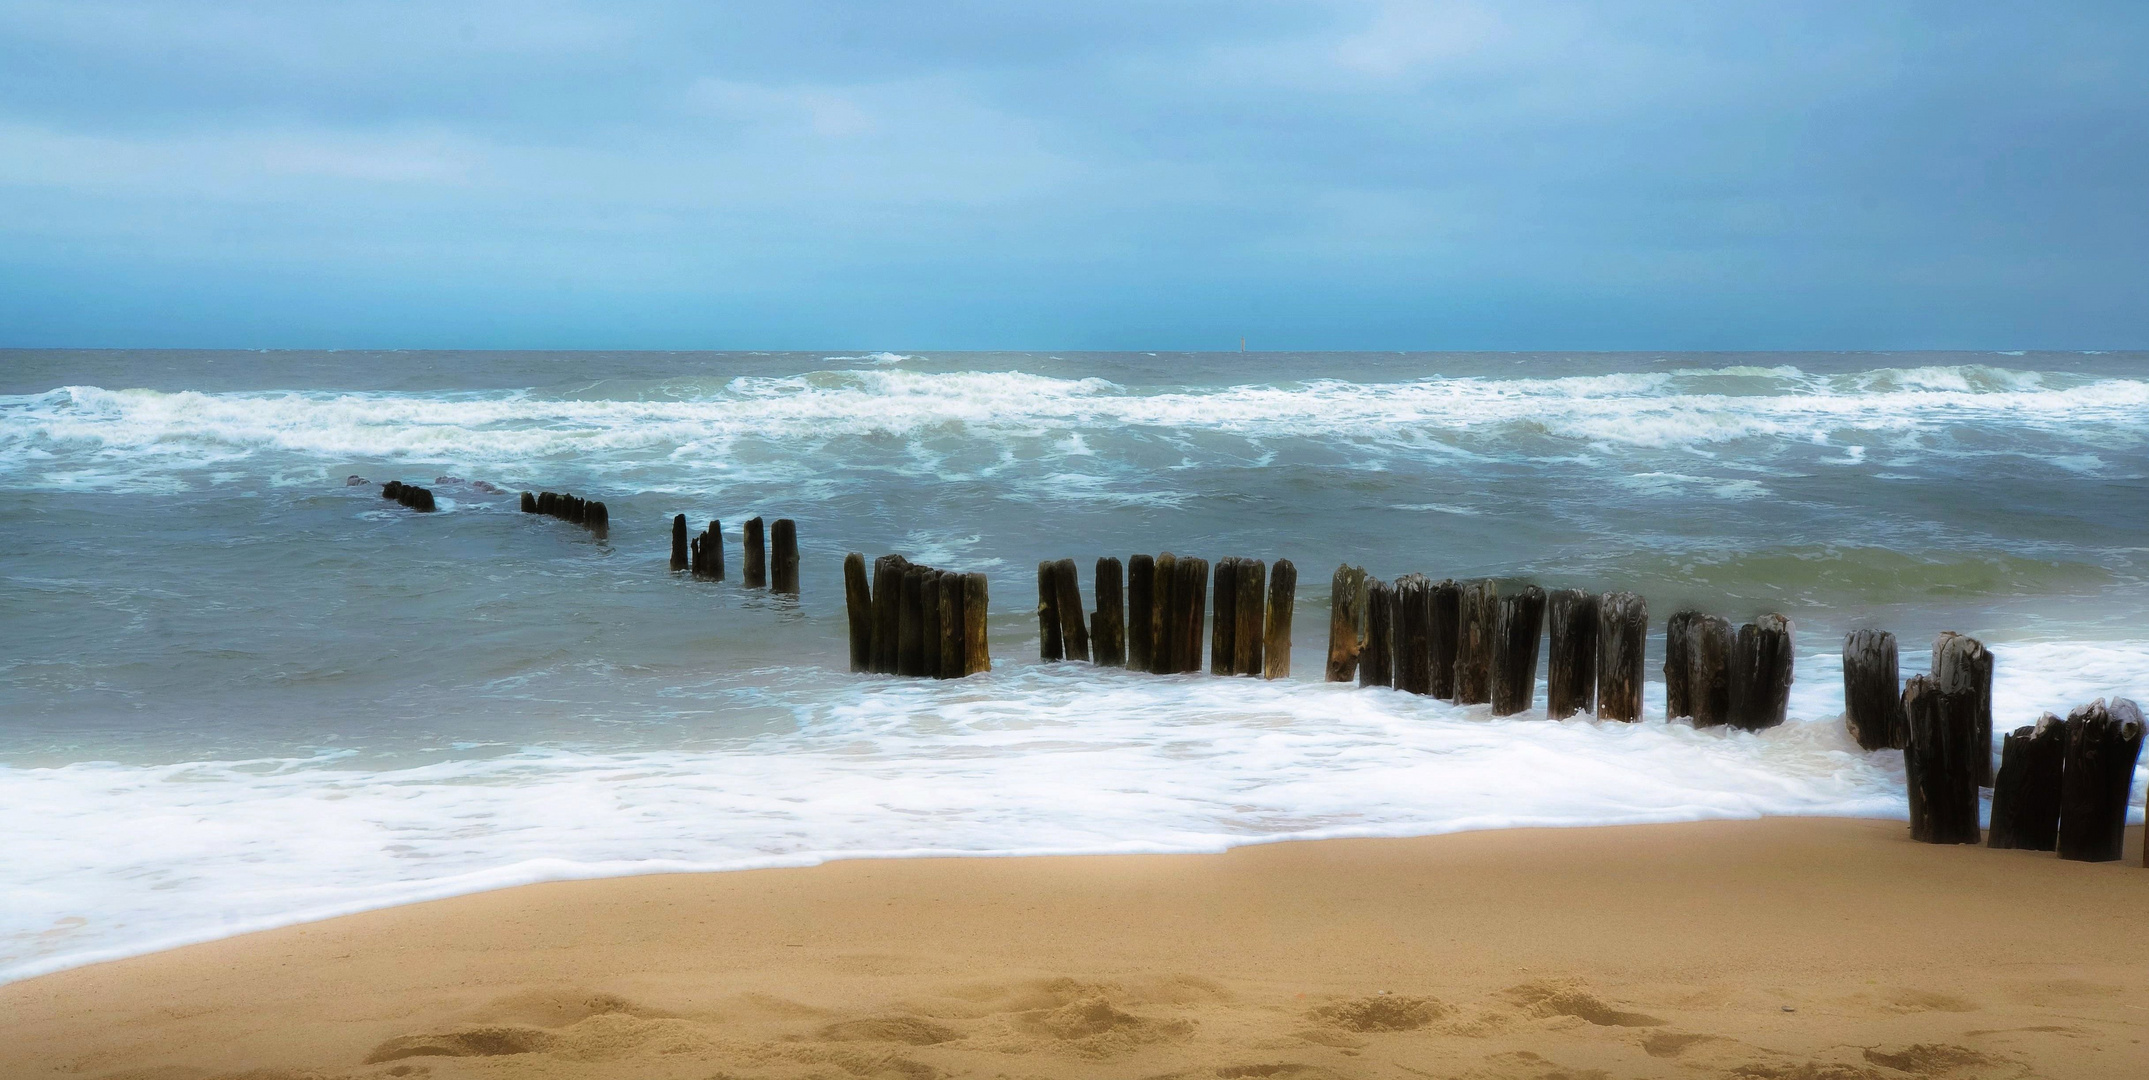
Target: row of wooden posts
(410,495)
(1155,624)
(572,509)
(770,563)
(909,619)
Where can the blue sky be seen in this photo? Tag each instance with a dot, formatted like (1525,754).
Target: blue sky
(1025,175)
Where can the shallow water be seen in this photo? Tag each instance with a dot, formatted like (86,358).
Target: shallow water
(236,690)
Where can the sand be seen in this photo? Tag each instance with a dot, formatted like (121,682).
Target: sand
(1787,948)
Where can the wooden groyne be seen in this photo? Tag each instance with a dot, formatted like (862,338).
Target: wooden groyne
(908,619)
(568,508)
(769,556)
(1156,622)
(410,495)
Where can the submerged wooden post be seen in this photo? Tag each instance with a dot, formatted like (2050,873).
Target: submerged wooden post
(888,611)
(1939,763)
(1074,635)
(2026,790)
(529,503)
(757,556)
(975,646)
(1376,658)
(1246,653)
(2103,744)
(1108,625)
(1477,608)
(1761,674)
(783,564)
(1414,634)
(1444,604)
(910,629)
(1049,645)
(599,518)
(1622,638)
(679,552)
(858,603)
(1224,635)
(1517,633)
(1962,663)
(1571,656)
(1163,617)
(929,624)
(1141,617)
(1872,691)
(1276,626)
(1193,608)
(1346,622)
(954,621)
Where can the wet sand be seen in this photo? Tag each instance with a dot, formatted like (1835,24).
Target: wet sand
(1802,949)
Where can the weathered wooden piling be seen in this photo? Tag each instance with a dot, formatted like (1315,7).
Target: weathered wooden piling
(1939,762)
(708,553)
(1164,617)
(1074,635)
(954,623)
(929,624)
(680,560)
(392,489)
(1678,663)
(599,517)
(545,499)
(1761,673)
(529,503)
(756,558)
(1049,645)
(1108,624)
(1697,668)
(1192,598)
(2026,790)
(1224,632)
(1571,653)
(1141,616)
(1477,609)
(858,604)
(1622,640)
(888,573)
(1963,663)
(1376,655)
(910,627)
(1872,691)
(1246,654)
(1276,620)
(975,647)
(783,561)
(2103,743)
(1443,634)
(1346,622)
(1414,634)
(1517,633)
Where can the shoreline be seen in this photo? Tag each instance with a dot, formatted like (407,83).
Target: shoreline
(1698,948)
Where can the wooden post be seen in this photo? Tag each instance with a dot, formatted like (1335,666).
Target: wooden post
(529,503)
(1164,617)
(600,518)
(858,603)
(1444,600)
(910,630)
(1708,672)
(1246,651)
(1679,663)
(679,552)
(1276,628)
(712,549)
(757,560)
(1414,634)
(1346,622)
(1872,691)
(544,503)
(887,611)
(783,568)
(929,624)
(1049,645)
(1108,626)
(1224,635)
(2102,747)
(1193,608)
(1376,658)
(1141,618)
(1517,633)
(1477,608)
(2026,791)
(976,649)
(1940,763)
(1571,659)
(953,622)
(1622,637)
(1073,633)
(1761,674)
(1962,663)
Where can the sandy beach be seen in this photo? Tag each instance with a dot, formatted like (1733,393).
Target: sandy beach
(1785,948)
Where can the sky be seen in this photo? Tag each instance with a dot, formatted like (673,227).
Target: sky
(1175,174)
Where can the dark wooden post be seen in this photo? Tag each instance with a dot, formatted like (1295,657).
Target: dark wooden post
(1414,634)
(1963,663)
(1939,763)
(1571,659)
(1164,617)
(1074,635)
(1246,652)
(1872,691)
(757,555)
(1376,660)
(954,662)
(888,573)
(1708,673)
(1224,634)
(679,552)
(1761,673)
(783,566)
(1444,601)
(910,629)
(1049,645)
(929,624)
(529,503)
(1517,633)
(2026,791)
(1108,626)
(1477,608)
(1679,663)
(1346,622)
(858,603)
(544,503)
(1193,603)
(1276,633)
(975,647)
(1141,616)
(1622,638)
(600,518)
(2102,746)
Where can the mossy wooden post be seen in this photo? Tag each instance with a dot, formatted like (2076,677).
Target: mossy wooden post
(1276,624)
(1049,645)
(858,603)
(756,558)
(1224,632)
(1477,608)
(1346,622)
(2103,743)
(1193,608)
(975,646)
(1164,617)
(544,502)
(679,552)
(529,503)
(1141,616)
(1963,663)
(1517,634)
(1444,604)
(1708,672)
(929,624)
(1108,625)
(954,622)
(1571,653)
(1376,657)
(1872,691)
(1074,633)
(2026,790)
(1414,634)
(1252,606)
(1761,674)
(910,630)
(1939,764)
(783,556)
(887,611)
(1622,638)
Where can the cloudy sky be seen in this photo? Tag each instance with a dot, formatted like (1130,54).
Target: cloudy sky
(808,174)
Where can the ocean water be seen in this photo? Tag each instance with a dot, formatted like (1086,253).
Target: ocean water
(238,690)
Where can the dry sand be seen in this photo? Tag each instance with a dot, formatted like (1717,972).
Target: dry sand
(1809,949)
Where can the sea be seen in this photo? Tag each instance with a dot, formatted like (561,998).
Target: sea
(239,689)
